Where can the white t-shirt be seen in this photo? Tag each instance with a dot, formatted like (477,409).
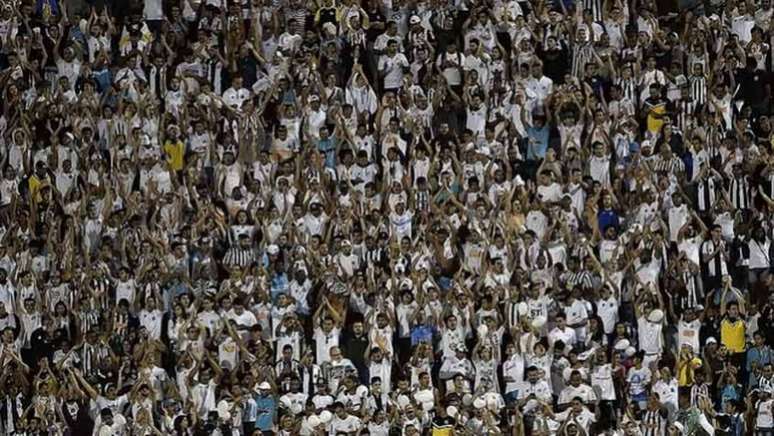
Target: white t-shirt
(678,216)
(393,68)
(688,334)
(608,312)
(324,342)
(549,193)
(759,254)
(452,73)
(401,224)
(650,336)
(476,121)
(603,378)
(764,418)
(513,368)
(583,391)
(152,10)
(567,335)
(638,379)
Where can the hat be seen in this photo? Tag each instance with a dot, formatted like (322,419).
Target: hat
(622,345)
(313,97)
(538,322)
(313,421)
(415,19)
(330,28)
(272,249)
(678,426)
(326,416)
(710,340)
(656,316)
(264,386)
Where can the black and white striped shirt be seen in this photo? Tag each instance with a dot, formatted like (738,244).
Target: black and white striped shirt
(241,257)
(512,313)
(629,88)
(741,192)
(706,194)
(580,278)
(654,422)
(699,391)
(376,257)
(581,55)
(698,87)
(686,113)
(715,267)
(694,294)
(596,9)
(674,165)
(422,200)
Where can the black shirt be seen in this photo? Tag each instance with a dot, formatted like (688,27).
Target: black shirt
(354,349)
(77,416)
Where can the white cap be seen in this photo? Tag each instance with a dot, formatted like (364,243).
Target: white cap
(415,19)
(272,249)
(479,403)
(264,386)
(313,421)
(538,322)
(656,315)
(491,402)
(622,345)
(326,416)
(710,340)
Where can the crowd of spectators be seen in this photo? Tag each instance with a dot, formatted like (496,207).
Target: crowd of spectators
(386,217)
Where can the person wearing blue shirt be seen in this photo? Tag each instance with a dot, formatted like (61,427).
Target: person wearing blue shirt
(279,282)
(327,145)
(759,355)
(607,216)
(421,332)
(537,135)
(266,406)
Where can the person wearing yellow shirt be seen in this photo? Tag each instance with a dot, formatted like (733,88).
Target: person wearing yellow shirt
(732,326)
(38,181)
(174,149)
(687,366)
